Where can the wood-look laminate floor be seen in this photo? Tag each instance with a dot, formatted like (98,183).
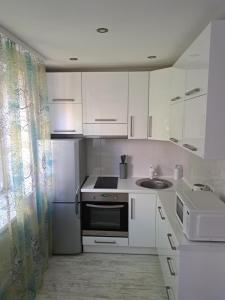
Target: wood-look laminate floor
(103,276)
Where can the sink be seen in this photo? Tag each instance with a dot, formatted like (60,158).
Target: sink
(155,183)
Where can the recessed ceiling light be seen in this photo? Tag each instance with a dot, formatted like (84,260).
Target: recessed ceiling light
(152,57)
(73,58)
(102,30)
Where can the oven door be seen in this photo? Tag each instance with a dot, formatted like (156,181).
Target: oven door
(105,219)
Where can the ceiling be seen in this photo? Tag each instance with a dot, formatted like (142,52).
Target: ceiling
(60,29)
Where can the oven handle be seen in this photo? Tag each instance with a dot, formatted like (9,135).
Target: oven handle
(104,206)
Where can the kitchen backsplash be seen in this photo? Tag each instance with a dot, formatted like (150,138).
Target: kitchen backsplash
(211,172)
(104,156)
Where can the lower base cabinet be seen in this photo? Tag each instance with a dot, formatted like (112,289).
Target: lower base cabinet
(142,220)
(191,271)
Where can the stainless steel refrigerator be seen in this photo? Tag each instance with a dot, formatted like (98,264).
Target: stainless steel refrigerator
(69,172)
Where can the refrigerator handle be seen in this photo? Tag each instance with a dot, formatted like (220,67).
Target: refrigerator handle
(77,205)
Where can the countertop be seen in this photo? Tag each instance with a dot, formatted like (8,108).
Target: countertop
(129,186)
(168,201)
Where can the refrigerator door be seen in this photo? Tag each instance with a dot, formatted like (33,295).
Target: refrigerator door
(65,169)
(66,234)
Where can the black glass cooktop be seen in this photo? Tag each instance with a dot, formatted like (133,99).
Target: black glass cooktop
(106,183)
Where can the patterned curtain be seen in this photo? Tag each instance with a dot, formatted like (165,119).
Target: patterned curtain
(25,172)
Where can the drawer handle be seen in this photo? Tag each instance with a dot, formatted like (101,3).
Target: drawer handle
(63,100)
(174,140)
(193,91)
(132,126)
(169,292)
(105,120)
(64,130)
(169,236)
(172,273)
(175,98)
(190,147)
(160,213)
(105,242)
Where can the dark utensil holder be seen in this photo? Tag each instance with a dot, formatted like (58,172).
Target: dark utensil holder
(123,170)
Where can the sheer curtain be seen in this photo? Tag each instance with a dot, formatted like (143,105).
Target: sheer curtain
(25,171)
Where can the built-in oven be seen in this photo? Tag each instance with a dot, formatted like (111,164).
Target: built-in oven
(104,214)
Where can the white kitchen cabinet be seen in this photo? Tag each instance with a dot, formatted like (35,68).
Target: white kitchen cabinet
(64,87)
(176,121)
(66,118)
(142,220)
(204,105)
(105,98)
(195,124)
(191,270)
(178,76)
(138,105)
(159,91)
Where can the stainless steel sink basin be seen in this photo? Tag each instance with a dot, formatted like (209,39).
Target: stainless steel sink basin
(155,183)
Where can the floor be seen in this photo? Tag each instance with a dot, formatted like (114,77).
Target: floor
(103,276)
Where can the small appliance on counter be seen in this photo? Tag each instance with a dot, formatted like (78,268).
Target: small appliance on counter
(123,167)
(201,215)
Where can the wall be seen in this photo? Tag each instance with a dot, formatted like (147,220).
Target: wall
(211,172)
(104,156)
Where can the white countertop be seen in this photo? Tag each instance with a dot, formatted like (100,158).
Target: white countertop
(168,200)
(129,186)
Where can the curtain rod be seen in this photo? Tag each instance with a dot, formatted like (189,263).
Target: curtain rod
(21,43)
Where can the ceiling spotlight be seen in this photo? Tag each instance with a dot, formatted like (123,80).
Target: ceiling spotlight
(73,58)
(152,57)
(102,30)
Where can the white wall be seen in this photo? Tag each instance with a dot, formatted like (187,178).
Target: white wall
(104,156)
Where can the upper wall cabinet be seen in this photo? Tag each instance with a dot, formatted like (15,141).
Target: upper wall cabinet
(159,91)
(204,104)
(105,102)
(64,87)
(138,105)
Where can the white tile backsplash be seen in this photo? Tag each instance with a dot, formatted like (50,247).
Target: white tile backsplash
(103,156)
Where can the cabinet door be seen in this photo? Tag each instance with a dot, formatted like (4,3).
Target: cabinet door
(142,220)
(138,105)
(176,121)
(177,84)
(196,82)
(194,124)
(159,91)
(105,97)
(64,87)
(66,118)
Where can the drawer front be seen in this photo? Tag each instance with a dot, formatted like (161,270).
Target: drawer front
(104,241)
(170,273)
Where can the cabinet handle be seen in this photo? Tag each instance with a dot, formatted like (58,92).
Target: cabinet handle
(105,120)
(63,100)
(131,126)
(172,273)
(160,213)
(174,140)
(175,98)
(193,91)
(190,147)
(168,289)
(64,130)
(132,208)
(169,236)
(149,126)
(105,242)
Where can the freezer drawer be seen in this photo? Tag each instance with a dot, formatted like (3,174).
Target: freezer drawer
(66,231)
